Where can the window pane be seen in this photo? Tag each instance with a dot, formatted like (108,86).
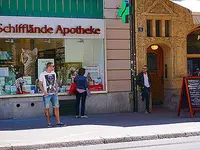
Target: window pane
(167,28)
(193,44)
(22,61)
(149,28)
(194,67)
(152,62)
(90,52)
(158,28)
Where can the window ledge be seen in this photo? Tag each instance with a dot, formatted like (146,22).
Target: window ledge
(40,95)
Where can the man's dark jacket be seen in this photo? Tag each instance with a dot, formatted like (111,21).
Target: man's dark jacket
(140,80)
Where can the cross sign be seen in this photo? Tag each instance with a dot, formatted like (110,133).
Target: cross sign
(124,11)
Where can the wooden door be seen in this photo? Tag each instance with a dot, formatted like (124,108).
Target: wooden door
(155,68)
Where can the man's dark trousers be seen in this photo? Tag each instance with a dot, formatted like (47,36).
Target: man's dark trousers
(146,96)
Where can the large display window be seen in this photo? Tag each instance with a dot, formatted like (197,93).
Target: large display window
(193,53)
(22,60)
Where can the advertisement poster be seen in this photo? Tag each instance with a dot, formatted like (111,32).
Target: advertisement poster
(5,55)
(4,72)
(92,72)
(42,64)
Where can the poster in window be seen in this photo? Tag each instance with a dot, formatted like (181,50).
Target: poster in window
(72,69)
(93,74)
(42,64)
(4,72)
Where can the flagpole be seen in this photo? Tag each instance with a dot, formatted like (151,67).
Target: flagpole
(133,55)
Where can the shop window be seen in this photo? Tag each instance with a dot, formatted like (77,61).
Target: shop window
(158,28)
(193,53)
(22,60)
(193,67)
(149,28)
(193,44)
(152,62)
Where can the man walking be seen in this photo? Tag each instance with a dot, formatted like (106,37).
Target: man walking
(144,82)
(49,87)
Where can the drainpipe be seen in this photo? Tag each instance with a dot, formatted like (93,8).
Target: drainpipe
(133,55)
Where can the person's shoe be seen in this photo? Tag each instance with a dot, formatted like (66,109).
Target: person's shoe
(49,125)
(61,124)
(84,116)
(77,116)
(147,112)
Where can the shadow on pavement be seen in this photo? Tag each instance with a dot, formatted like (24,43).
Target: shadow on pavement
(159,116)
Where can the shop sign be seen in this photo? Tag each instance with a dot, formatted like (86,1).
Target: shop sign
(31,28)
(44,27)
(124,11)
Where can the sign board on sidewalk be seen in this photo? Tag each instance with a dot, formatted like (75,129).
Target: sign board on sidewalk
(190,95)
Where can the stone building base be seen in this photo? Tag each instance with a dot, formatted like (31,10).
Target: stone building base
(172,98)
(26,107)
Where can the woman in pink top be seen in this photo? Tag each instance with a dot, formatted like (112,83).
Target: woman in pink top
(81,92)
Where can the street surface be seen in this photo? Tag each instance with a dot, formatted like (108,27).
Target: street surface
(33,133)
(189,143)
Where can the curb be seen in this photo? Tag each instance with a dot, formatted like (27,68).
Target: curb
(101,141)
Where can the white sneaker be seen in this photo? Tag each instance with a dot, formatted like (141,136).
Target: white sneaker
(146,112)
(49,125)
(84,116)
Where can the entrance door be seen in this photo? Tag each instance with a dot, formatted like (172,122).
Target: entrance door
(155,67)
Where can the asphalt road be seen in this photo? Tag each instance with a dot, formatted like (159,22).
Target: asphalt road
(190,143)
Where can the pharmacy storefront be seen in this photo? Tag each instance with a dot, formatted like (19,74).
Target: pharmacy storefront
(28,43)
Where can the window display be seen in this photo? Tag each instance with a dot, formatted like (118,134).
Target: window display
(91,53)
(193,51)
(22,61)
(194,67)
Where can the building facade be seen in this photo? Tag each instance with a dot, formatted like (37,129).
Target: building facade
(89,34)
(71,34)
(164,31)
(169,45)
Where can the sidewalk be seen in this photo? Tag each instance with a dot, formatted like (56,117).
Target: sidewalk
(97,129)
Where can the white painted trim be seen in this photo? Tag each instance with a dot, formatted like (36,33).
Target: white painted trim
(99,92)
(105,55)
(40,95)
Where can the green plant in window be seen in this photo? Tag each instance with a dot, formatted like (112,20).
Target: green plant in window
(62,76)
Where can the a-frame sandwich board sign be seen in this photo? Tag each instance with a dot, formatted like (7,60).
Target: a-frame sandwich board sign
(190,95)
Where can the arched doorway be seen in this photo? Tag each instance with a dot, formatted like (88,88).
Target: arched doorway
(155,67)
(193,52)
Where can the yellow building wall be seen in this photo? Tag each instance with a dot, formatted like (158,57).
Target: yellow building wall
(175,46)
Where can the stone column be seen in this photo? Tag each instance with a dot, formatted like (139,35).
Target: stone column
(154,28)
(163,28)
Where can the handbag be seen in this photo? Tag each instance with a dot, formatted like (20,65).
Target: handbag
(72,90)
